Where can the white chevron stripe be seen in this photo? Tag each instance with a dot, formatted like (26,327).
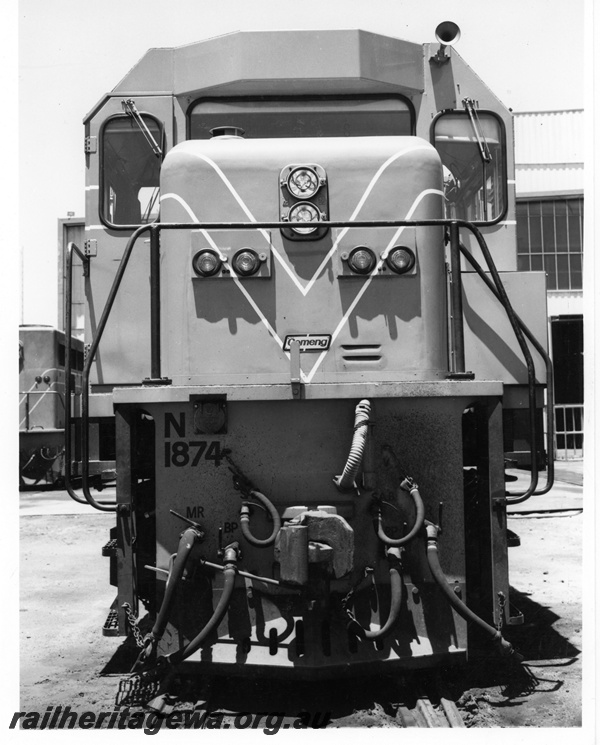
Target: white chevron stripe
(363,289)
(235,278)
(305,289)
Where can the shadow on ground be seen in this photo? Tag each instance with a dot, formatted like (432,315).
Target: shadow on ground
(375,700)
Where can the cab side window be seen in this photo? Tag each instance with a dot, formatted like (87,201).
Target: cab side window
(472,148)
(129,172)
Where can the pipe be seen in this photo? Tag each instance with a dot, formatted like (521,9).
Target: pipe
(229,573)
(355,627)
(347,481)
(249,575)
(505,647)
(410,486)
(245,520)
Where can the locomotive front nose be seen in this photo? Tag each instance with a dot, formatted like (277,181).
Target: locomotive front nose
(295,275)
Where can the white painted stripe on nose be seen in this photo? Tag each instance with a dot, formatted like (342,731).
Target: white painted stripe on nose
(363,289)
(305,289)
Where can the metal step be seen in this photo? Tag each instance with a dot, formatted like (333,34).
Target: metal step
(111,625)
(110,548)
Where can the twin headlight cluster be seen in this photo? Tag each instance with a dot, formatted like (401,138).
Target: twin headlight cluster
(363,260)
(303,202)
(245,263)
(303,198)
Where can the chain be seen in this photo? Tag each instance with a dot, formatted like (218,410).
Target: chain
(347,599)
(501,604)
(133,625)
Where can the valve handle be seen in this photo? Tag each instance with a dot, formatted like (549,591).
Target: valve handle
(195,525)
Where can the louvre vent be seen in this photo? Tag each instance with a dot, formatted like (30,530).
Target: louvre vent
(361,352)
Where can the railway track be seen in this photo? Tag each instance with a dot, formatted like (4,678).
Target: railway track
(425,714)
(415,701)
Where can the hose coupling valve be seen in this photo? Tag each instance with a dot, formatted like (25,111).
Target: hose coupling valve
(408,484)
(232,553)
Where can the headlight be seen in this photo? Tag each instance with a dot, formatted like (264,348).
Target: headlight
(304,212)
(362,260)
(206,263)
(303,182)
(400,259)
(246,262)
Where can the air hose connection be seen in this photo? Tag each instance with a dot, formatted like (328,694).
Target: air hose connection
(394,556)
(192,535)
(362,419)
(243,484)
(407,485)
(504,647)
(245,520)
(166,665)
(231,557)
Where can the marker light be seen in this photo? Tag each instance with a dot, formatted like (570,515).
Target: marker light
(304,212)
(303,182)
(246,262)
(401,259)
(362,260)
(206,263)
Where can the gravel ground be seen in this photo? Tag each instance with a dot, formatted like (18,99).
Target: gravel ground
(65,660)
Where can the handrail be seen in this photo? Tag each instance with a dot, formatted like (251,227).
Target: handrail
(549,378)
(85,455)
(512,317)
(29,408)
(155,228)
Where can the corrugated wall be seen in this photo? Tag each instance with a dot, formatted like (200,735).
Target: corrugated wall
(549,152)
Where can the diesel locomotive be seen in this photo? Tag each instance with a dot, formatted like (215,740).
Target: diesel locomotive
(42,406)
(303,313)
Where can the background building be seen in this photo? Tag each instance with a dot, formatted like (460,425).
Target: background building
(549,158)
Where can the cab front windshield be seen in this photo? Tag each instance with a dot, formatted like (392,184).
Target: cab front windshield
(303,116)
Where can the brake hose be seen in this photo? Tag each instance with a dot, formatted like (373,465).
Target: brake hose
(166,666)
(179,560)
(356,628)
(409,486)
(505,647)
(245,520)
(229,573)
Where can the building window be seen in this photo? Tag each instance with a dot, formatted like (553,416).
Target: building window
(550,239)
